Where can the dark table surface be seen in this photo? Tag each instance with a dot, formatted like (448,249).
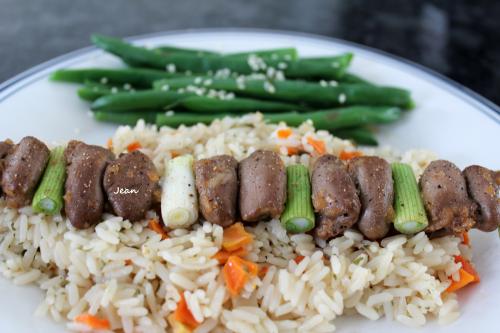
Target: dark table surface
(458,38)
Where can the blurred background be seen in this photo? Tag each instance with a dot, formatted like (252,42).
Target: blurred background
(458,38)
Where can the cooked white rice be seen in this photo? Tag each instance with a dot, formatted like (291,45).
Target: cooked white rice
(125,273)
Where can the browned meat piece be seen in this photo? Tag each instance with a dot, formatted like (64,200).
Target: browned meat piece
(262,186)
(484,190)
(445,198)
(5,148)
(334,196)
(217,186)
(373,178)
(84,197)
(23,169)
(130,183)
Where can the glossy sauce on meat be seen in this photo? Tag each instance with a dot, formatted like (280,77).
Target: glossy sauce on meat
(262,186)
(84,197)
(130,183)
(23,168)
(484,190)
(217,186)
(446,201)
(334,197)
(373,178)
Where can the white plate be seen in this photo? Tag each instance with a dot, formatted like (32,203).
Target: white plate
(449,119)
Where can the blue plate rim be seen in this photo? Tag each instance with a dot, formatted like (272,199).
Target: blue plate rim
(481,103)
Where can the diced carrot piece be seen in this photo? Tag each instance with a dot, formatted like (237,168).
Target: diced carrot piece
(134,146)
(223,255)
(177,326)
(298,259)
(237,272)
(465,238)
(263,271)
(347,155)
(318,145)
(292,151)
(128,262)
(235,237)
(284,133)
(93,322)
(184,315)
(109,143)
(175,153)
(156,227)
(467,266)
(465,279)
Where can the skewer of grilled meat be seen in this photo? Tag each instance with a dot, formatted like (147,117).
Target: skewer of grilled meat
(334,197)
(131,185)
(23,168)
(262,186)
(217,185)
(84,195)
(454,201)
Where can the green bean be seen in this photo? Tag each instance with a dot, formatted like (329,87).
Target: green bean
(93,90)
(139,77)
(352,78)
(126,118)
(285,53)
(182,50)
(298,91)
(160,100)
(141,100)
(330,120)
(48,197)
(360,135)
(327,67)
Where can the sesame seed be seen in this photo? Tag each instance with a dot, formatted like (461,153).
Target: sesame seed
(269,87)
(323,83)
(198,80)
(114,90)
(127,86)
(333,83)
(280,76)
(342,98)
(171,68)
(282,65)
(104,80)
(169,113)
(165,87)
(207,82)
(335,64)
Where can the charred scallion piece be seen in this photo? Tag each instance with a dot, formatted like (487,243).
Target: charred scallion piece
(48,197)
(179,201)
(410,216)
(298,216)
